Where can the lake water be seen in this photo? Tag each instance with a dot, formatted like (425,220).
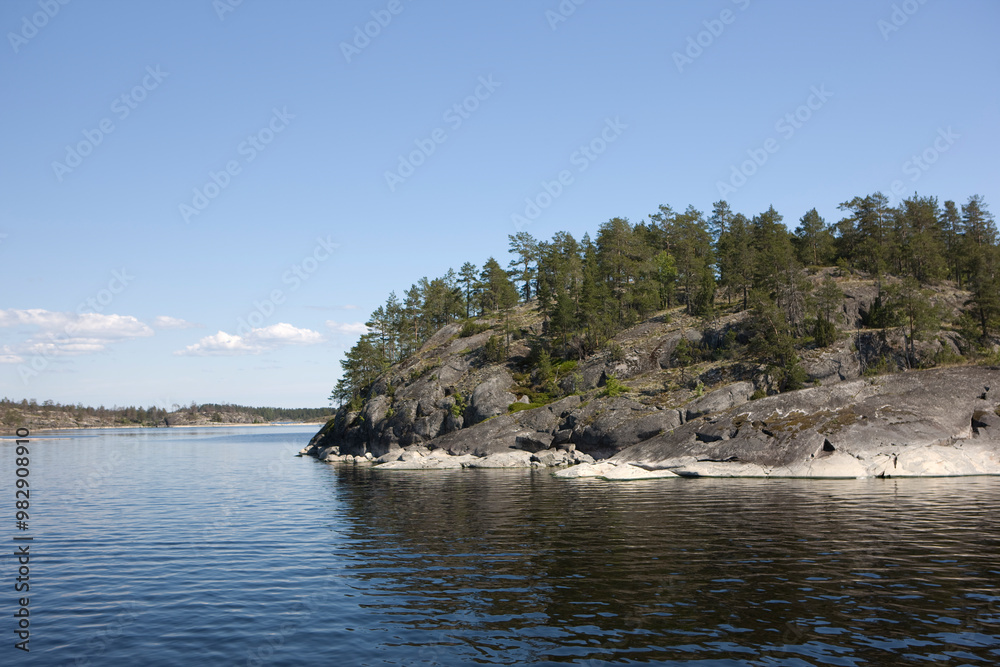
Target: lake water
(219,547)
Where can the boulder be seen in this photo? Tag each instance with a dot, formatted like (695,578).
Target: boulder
(510,459)
(533,442)
(453,369)
(586,470)
(490,398)
(428,463)
(430,426)
(833,364)
(631,472)
(552,458)
(730,396)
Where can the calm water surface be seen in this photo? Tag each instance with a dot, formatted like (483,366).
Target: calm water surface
(218,547)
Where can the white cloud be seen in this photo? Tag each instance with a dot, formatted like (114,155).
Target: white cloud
(64,333)
(7,356)
(352,328)
(167,322)
(285,334)
(254,342)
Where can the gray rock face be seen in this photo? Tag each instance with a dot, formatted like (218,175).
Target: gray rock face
(918,423)
(735,394)
(490,398)
(665,349)
(642,428)
(858,300)
(834,364)
(594,425)
(509,459)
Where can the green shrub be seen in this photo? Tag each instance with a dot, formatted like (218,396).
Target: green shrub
(615,351)
(683,354)
(992,358)
(760,393)
(494,350)
(613,388)
(880,367)
(824,332)
(794,378)
(544,367)
(471,328)
(946,356)
(566,367)
(458,407)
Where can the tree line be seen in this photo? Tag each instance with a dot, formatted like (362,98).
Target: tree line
(14,412)
(589,289)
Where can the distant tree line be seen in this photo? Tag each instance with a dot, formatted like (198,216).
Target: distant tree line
(590,289)
(12,412)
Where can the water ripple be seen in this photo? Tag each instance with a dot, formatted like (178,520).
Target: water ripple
(216,546)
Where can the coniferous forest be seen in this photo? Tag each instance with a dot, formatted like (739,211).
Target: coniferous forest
(589,289)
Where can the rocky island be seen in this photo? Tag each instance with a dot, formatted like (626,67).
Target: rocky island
(940,421)
(631,358)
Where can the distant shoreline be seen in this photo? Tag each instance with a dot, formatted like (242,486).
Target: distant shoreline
(11,434)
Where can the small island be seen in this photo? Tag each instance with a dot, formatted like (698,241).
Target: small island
(693,345)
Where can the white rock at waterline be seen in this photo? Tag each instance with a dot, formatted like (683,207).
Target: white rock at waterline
(513,459)
(428,463)
(630,472)
(586,470)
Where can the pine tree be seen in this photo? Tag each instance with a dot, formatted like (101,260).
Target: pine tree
(813,238)
(919,242)
(525,248)
(467,275)
(737,258)
(951,227)
(915,310)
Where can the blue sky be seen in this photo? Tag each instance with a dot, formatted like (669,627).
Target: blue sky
(195,202)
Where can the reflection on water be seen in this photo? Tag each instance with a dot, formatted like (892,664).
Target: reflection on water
(507,566)
(216,546)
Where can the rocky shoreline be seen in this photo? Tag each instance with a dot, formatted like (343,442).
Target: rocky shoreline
(937,422)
